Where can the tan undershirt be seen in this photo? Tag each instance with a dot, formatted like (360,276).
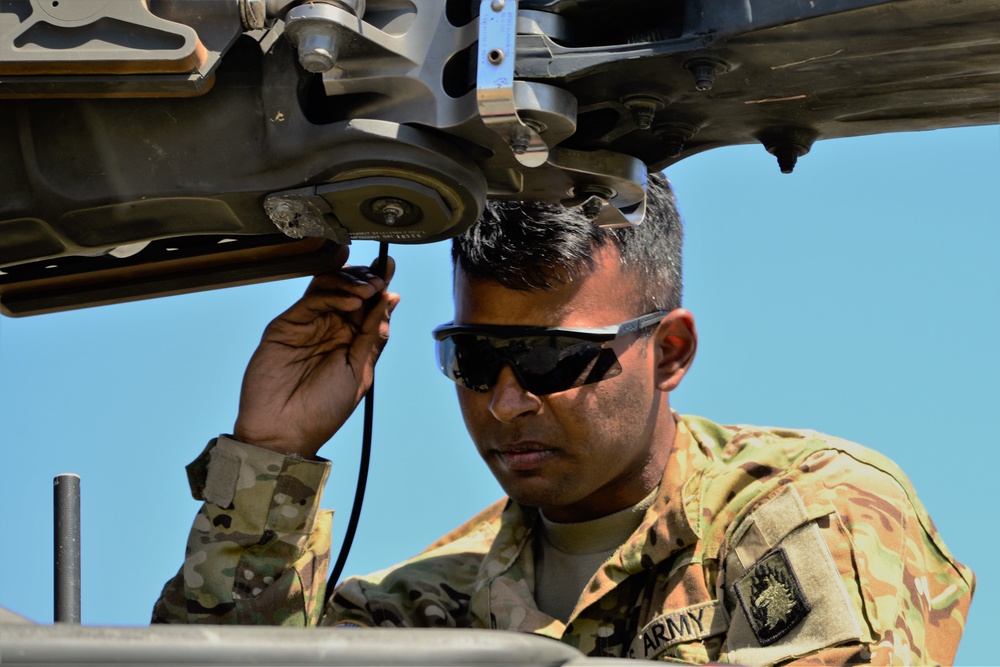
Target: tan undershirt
(569,554)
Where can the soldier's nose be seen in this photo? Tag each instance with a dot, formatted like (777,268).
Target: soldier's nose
(509,399)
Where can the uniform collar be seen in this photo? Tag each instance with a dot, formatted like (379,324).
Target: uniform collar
(670,524)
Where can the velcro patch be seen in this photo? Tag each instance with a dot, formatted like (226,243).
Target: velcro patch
(223,474)
(771,597)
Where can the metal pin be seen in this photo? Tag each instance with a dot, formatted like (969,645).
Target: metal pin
(66,536)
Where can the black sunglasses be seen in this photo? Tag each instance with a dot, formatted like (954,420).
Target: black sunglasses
(544,359)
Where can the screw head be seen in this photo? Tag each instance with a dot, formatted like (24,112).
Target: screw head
(674,136)
(787,157)
(391,209)
(392,213)
(704,77)
(673,146)
(520,140)
(317,50)
(498,5)
(253,14)
(316,61)
(591,208)
(643,109)
(788,144)
(642,114)
(596,197)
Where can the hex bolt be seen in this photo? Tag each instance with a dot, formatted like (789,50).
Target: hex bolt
(520,140)
(787,144)
(787,157)
(391,209)
(591,208)
(674,137)
(391,213)
(673,145)
(312,28)
(596,196)
(704,76)
(318,50)
(253,13)
(642,114)
(643,118)
(643,110)
(705,70)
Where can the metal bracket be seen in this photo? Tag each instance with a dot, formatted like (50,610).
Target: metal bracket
(95,37)
(495,82)
(610,189)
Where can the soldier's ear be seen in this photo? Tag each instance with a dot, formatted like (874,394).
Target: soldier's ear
(675,343)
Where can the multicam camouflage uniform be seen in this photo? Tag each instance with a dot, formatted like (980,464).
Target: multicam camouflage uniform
(763,545)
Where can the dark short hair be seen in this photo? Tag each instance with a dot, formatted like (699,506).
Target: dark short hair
(538,245)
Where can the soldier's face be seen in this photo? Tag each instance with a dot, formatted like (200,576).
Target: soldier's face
(588,451)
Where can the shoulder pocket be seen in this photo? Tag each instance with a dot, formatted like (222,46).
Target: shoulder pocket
(781,581)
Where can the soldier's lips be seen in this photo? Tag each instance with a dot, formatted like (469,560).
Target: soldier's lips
(524,455)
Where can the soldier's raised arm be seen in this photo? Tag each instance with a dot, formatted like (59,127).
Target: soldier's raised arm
(315,362)
(258,551)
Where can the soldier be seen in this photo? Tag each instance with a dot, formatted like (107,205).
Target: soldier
(629,530)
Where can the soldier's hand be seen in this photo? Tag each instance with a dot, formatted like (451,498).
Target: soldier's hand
(316,361)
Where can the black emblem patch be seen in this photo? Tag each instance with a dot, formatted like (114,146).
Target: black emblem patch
(771,597)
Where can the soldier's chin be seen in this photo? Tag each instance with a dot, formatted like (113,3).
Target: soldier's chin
(530,491)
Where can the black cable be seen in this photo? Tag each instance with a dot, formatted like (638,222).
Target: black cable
(366,455)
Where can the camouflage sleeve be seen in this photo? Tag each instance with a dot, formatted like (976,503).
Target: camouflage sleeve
(841,564)
(259,548)
(914,594)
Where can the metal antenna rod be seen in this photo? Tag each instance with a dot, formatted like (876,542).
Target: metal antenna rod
(66,506)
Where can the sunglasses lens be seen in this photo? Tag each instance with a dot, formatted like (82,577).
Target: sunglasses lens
(550,364)
(469,361)
(542,364)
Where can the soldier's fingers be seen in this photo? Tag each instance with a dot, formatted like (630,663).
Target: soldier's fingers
(389,270)
(355,282)
(371,274)
(318,303)
(340,258)
(374,332)
(347,278)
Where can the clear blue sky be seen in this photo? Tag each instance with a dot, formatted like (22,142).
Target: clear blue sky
(859,296)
